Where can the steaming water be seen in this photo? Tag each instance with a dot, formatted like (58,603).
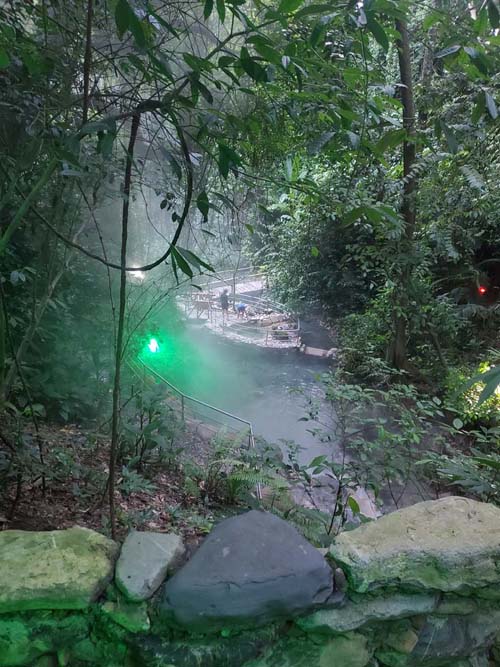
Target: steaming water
(257,384)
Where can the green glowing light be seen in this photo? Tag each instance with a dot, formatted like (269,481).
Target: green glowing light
(153,345)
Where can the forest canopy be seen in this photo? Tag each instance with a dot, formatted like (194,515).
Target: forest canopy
(348,150)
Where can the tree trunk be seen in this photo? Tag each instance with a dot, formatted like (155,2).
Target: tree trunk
(115,427)
(397,353)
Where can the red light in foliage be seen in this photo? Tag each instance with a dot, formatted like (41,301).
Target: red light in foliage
(482,289)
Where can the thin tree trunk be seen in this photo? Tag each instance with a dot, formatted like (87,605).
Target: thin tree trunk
(87,62)
(115,430)
(397,354)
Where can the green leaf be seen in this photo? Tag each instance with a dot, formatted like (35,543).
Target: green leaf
(313,9)
(251,67)
(451,140)
(491,379)
(181,262)
(478,59)
(491,105)
(317,32)
(176,167)
(122,17)
(207,95)
(4,59)
(390,139)
(353,215)
(250,228)
(288,6)
(228,159)
(458,423)
(353,504)
(266,51)
(493,14)
(314,251)
(105,144)
(479,108)
(448,51)
(221,10)
(194,260)
(491,463)
(126,19)
(208,8)
(197,64)
(378,32)
(431,19)
(203,205)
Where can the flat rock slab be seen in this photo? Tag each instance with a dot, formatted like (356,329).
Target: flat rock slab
(251,569)
(452,544)
(353,615)
(349,650)
(60,569)
(144,562)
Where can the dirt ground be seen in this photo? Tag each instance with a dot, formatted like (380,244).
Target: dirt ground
(73,490)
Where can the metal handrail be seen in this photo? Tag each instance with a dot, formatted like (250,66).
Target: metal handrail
(185,397)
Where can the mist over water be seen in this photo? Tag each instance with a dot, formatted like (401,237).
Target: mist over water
(254,383)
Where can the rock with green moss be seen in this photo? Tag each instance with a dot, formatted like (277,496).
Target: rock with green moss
(131,616)
(438,640)
(350,650)
(25,637)
(63,569)
(452,544)
(230,650)
(353,615)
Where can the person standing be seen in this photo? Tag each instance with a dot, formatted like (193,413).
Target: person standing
(224,304)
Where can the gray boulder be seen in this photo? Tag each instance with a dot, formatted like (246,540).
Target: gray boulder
(144,561)
(250,570)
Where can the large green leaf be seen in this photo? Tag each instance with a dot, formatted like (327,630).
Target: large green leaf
(378,32)
(208,8)
(203,204)
(491,380)
(288,6)
(251,67)
(194,260)
(4,59)
(494,14)
(390,139)
(126,19)
(181,262)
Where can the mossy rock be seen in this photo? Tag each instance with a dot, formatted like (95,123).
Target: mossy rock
(230,650)
(349,650)
(451,545)
(25,637)
(63,569)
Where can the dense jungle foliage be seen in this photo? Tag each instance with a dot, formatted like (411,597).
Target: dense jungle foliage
(349,150)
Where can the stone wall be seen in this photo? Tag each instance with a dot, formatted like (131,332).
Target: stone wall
(417,588)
